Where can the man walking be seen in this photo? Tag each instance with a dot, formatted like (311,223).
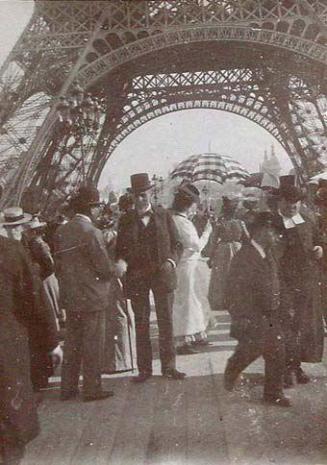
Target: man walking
(84,270)
(253,295)
(147,241)
(299,255)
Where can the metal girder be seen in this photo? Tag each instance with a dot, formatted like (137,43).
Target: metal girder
(91,41)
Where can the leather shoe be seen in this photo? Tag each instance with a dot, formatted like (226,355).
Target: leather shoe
(229,381)
(301,377)
(288,380)
(279,401)
(68,395)
(186,350)
(202,342)
(98,396)
(141,377)
(172,373)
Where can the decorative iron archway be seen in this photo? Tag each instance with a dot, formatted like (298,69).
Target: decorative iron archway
(264,60)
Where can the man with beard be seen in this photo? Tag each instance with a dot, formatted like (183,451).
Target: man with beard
(148,242)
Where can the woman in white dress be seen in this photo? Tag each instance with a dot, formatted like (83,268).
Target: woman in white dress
(189,316)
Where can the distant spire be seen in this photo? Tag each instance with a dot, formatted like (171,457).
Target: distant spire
(209,146)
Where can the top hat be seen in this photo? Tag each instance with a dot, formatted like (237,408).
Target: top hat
(140,182)
(88,196)
(288,190)
(189,191)
(14,216)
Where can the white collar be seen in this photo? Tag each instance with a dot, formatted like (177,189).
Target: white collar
(85,217)
(259,248)
(291,222)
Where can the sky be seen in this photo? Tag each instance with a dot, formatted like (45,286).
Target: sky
(157,146)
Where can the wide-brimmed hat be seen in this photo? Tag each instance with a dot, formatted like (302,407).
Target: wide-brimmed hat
(140,182)
(13,216)
(288,190)
(190,191)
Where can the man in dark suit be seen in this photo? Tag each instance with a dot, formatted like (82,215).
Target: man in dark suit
(19,308)
(253,302)
(84,270)
(147,241)
(299,253)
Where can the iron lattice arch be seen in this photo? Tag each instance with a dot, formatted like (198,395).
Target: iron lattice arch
(264,60)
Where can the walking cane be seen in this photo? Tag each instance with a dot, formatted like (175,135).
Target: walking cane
(128,325)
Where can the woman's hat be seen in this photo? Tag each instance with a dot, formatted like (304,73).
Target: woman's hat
(189,190)
(13,216)
(36,224)
(140,182)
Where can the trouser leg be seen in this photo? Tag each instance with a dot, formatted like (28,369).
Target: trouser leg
(246,352)
(274,356)
(141,309)
(164,306)
(72,353)
(93,336)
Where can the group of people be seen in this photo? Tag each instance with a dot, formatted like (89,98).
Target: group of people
(266,270)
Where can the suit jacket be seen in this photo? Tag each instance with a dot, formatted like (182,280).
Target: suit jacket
(167,245)
(18,309)
(300,289)
(82,265)
(249,293)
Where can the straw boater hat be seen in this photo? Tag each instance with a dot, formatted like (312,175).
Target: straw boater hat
(13,216)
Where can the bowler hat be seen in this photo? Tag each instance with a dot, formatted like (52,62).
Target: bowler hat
(13,216)
(87,195)
(140,182)
(189,191)
(261,220)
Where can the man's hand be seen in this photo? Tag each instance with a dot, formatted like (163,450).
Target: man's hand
(318,252)
(120,268)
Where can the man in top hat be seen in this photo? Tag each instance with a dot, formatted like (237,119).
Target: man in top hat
(298,254)
(253,302)
(148,242)
(84,270)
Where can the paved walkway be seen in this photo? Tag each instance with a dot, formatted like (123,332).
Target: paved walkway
(190,422)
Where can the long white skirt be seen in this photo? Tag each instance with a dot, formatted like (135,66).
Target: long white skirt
(188,313)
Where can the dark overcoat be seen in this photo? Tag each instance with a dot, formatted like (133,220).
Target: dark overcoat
(249,294)
(167,243)
(300,290)
(83,266)
(19,308)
